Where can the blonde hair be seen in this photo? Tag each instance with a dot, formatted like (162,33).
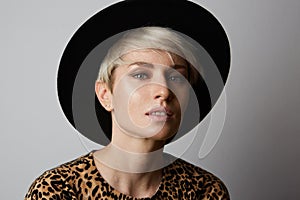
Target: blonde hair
(156,38)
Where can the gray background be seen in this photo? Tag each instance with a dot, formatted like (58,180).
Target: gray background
(257,155)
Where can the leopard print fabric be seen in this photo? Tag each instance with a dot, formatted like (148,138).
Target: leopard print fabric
(81,180)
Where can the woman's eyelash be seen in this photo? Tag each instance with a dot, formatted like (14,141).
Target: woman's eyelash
(176,78)
(173,78)
(140,76)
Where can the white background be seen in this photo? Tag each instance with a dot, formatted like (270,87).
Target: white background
(257,155)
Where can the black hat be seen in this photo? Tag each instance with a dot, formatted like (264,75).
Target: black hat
(75,81)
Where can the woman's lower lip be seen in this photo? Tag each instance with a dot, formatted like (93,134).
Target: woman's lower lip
(159,118)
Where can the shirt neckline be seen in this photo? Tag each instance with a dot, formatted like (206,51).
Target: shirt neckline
(118,193)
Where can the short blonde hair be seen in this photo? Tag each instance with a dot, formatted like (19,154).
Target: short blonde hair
(157,38)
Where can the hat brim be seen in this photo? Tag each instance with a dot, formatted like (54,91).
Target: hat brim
(183,16)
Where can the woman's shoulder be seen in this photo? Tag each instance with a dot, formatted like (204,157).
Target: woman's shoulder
(71,168)
(205,184)
(59,182)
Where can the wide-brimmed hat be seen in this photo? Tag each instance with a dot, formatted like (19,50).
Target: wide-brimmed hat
(83,55)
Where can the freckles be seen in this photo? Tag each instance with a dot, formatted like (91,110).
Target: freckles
(182,99)
(137,109)
(133,105)
(137,98)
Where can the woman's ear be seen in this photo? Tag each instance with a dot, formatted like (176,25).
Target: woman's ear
(104,95)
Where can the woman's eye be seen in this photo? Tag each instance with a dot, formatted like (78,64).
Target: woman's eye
(178,79)
(140,76)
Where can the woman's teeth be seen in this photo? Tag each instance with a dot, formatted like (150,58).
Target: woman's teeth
(159,113)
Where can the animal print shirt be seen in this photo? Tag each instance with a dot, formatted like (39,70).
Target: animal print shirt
(81,180)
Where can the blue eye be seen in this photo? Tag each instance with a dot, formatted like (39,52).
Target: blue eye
(177,79)
(140,76)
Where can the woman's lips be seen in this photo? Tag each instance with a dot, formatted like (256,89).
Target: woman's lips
(159,114)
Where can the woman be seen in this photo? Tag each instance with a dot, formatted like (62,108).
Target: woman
(144,82)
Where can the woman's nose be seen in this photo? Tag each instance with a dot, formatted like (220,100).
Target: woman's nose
(161,88)
(162,92)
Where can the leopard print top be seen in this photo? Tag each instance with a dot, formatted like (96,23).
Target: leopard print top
(80,179)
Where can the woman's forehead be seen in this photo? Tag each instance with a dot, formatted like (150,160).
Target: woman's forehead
(154,56)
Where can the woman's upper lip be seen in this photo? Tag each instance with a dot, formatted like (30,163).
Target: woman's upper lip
(160,109)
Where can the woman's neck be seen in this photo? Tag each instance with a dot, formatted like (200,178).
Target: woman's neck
(122,160)
(134,174)
(130,143)
(131,165)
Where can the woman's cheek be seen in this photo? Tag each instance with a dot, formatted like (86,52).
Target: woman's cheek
(182,96)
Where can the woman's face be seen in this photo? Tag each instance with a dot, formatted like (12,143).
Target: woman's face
(149,94)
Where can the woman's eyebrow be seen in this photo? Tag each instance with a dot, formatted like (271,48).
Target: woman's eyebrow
(182,68)
(141,63)
(150,65)
(176,66)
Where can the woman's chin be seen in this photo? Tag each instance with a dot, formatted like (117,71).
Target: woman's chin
(164,134)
